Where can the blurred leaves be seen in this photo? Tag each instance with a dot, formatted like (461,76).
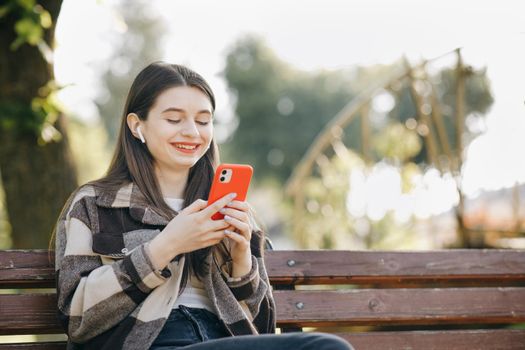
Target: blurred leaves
(31,22)
(478,99)
(325,223)
(37,118)
(396,142)
(279,109)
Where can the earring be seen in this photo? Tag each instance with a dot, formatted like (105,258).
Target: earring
(140,135)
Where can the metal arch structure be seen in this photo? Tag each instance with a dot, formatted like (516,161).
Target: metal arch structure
(435,139)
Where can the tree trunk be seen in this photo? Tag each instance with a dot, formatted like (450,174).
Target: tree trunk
(36,179)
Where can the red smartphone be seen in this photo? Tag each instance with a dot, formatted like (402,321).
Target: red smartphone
(230,178)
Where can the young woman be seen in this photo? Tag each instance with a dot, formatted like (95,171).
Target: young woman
(140,263)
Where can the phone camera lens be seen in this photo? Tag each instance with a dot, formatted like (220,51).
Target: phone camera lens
(224,172)
(223,178)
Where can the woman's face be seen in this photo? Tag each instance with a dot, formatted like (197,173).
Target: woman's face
(179,128)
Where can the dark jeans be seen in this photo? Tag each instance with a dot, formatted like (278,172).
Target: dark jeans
(198,329)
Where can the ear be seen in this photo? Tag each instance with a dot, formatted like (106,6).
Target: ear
(133,122)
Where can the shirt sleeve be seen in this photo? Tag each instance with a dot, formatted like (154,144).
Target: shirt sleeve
(244,286)
(95,294)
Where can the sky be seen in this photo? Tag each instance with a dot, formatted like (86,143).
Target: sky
(328,34)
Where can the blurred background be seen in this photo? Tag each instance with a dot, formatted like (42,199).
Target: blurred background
(370,124)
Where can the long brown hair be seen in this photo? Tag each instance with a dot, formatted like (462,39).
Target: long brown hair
(132,160)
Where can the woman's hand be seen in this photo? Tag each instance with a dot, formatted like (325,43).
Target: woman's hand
(237,215)
(192,229)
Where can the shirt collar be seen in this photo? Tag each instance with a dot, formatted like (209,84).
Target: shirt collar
(130,196)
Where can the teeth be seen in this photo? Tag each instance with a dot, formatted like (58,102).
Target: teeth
(185,147)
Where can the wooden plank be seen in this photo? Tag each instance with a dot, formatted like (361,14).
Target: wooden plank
(498,339)
(29,314)
(365,267)
(400,306)
(32,269)
(36,314)
(27,269)
(34,346)
(20,258)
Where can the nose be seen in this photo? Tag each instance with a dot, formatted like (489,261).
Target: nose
(190,129)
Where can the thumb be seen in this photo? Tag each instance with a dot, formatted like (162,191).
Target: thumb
(196,206)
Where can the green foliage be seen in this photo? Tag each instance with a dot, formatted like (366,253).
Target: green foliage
(31,21)
(279,109)
(398,143)
(38,117)
(478,96)
(388,233)
(478,99)
(325,223)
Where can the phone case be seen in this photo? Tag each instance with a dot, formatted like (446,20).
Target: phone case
(230,178)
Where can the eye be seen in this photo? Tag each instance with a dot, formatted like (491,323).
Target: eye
(203,123)
(172,121)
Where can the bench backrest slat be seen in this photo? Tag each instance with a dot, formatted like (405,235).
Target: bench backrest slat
(27,269)
(364,267)
(22,314)
(401,306)
(32,269)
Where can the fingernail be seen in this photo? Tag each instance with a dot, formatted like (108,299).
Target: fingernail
(233,195)
(222,211)
(228,232)
(226,217)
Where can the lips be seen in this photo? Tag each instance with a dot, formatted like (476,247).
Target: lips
(185,147)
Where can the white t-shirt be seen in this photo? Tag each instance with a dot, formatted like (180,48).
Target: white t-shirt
(194,294)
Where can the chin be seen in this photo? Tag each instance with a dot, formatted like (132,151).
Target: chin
(186,162)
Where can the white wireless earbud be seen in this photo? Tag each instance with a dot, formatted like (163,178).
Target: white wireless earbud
(140,135)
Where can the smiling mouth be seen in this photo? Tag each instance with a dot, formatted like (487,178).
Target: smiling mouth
(185,148)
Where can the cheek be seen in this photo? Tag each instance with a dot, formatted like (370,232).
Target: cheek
(207,134)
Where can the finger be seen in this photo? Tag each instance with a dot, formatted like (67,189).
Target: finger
(237,238)
(217,225)
(243,227)
(215,236)
(240,205)
(209,238)
(235,213)
(218,205)
(196,206)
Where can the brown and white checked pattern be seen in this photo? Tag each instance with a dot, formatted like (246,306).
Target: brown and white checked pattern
(110,296)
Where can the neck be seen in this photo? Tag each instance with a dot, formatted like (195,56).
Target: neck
(172,182)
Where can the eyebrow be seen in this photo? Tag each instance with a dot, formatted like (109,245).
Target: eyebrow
(175,109)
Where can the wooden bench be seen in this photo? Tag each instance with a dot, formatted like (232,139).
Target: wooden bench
(448,299)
